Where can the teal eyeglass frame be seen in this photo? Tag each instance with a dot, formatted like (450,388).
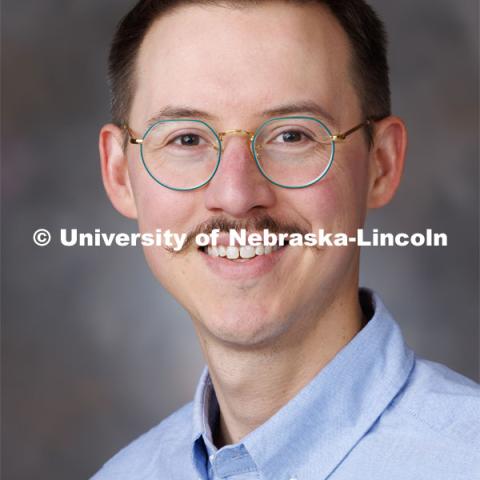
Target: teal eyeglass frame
(252,136)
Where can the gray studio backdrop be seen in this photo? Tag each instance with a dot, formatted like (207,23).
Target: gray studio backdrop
(94,350)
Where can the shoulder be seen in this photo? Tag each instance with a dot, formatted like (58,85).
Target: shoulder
(431,429)
(442,402)
(148,455)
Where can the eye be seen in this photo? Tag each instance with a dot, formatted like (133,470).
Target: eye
(292,136)
(188,140)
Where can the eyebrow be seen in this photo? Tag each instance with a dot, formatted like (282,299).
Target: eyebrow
(308,107)
(172,112)
(303,107)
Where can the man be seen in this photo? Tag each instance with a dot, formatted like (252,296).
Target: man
(275,115)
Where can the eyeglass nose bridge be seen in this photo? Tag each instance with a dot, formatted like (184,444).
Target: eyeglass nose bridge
(238,132)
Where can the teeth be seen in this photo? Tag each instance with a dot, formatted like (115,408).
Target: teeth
(246,252)
(233,253)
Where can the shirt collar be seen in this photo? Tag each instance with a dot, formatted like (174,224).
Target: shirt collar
(331,413)
(205,411)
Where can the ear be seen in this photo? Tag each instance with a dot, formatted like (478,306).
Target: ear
(387,158)
(115,174)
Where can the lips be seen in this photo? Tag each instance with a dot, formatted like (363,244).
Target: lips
(241,264)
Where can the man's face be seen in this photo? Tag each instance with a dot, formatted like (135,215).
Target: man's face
(236,64)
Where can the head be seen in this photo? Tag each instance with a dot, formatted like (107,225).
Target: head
(235,64)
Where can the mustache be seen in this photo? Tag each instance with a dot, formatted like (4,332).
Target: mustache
(257,223)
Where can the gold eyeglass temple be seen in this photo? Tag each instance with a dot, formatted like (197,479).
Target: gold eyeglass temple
(341,137)
(131,136)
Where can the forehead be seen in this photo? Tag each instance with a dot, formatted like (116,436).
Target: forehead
(237,62)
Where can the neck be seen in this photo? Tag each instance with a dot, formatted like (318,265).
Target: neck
(252,385)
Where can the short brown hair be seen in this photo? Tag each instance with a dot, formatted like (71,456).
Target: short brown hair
(363,27)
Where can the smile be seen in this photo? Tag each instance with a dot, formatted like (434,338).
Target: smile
(234,253)
(241,263)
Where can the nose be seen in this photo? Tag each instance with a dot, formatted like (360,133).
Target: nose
(238,187)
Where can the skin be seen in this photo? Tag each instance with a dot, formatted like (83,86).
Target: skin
(264,336)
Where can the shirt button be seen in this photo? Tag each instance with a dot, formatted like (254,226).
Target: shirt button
(211,457)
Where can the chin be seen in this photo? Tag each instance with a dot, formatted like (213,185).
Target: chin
(244,327)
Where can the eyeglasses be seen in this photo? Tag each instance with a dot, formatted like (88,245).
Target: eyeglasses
(290,152)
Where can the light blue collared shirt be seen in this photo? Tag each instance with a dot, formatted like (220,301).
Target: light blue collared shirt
(375,412)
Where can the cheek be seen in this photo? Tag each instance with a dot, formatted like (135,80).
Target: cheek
(161,208)
(338,202)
